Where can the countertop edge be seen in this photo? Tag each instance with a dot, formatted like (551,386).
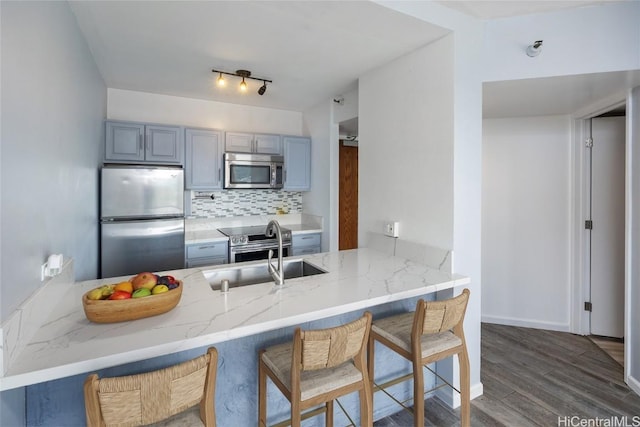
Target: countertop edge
(9,382)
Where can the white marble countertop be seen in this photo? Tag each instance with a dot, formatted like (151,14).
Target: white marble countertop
(68,344)
(204,236)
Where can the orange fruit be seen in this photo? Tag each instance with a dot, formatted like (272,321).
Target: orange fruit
(124,286)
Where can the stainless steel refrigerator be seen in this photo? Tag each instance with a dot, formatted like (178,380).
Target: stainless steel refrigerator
(141,219)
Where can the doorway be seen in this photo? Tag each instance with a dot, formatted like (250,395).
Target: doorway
(606,224)
(348,195)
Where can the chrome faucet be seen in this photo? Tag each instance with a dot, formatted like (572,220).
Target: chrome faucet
(278,274)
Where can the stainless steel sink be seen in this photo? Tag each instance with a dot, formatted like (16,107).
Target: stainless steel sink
(244,275)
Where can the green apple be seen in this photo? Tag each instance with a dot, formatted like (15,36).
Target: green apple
(142,292)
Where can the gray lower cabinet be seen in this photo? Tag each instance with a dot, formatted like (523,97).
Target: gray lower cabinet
(305,244)
(203,162)
(297,163)
(213,253)
(140,142)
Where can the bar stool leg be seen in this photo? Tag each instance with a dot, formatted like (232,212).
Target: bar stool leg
(418,393)
(296,416)
(365,406)
(262,393)
(370,358)
(329,415)
(465,390)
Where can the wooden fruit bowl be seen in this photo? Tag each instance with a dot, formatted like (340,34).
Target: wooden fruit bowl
(111,311)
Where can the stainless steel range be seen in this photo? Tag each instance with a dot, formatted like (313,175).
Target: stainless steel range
(252,243)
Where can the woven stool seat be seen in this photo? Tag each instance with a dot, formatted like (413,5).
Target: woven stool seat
(432,333)
(151,397)
(312,383)
(316,368)
(397,329)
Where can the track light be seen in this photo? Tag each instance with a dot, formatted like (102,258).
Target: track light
(535,48)
(262,89)
(245,74)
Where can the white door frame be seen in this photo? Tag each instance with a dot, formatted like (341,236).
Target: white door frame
(580,319)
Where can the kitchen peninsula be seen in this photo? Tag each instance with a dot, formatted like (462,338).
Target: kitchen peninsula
(67,346)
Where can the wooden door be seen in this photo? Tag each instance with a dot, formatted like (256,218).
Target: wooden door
(348,197)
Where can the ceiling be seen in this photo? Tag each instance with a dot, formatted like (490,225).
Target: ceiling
(312,50)
(553,95)
(505,8)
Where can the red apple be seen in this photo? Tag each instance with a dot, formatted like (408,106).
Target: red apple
(144,280)
(120,295)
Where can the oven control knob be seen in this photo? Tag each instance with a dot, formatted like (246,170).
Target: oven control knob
(245,239)
(234,240)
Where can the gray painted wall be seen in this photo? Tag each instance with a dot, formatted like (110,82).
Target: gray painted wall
(53,106)
(53,103)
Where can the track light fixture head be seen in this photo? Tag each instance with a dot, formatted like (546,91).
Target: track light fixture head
(535,48)
(262,89)
(245,74)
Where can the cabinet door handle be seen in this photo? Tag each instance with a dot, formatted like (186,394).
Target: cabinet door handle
(147,138)
(307,237)
(140,140)
(207,247)
(219,174)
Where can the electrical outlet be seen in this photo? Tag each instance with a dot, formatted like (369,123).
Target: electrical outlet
(391,228)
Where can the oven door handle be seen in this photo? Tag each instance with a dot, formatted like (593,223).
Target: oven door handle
(255,248)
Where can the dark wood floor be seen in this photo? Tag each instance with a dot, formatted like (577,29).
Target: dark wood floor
(532,377)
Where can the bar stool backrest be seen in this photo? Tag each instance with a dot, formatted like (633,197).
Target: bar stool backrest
(153,396)
(326,348)
(440,316)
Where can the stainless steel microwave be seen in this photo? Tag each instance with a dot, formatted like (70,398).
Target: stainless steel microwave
(243,170)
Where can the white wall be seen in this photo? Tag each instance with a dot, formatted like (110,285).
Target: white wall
(318,123)
(526,207)
(166,109)
(600,38)
(467,161)
(53,104)
(406,146)
(349,109)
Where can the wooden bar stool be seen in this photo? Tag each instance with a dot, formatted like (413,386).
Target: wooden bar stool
(142,399)
(433,332)
(316,368)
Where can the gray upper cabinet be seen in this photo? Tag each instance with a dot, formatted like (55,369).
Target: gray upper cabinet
(139,142)
(240,142)
(203,163)
(124,141)
(297,163)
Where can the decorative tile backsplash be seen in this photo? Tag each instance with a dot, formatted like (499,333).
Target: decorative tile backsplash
(229,203)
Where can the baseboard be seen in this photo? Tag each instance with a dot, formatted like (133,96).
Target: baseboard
(633,384)
(452,398)
(527,323)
